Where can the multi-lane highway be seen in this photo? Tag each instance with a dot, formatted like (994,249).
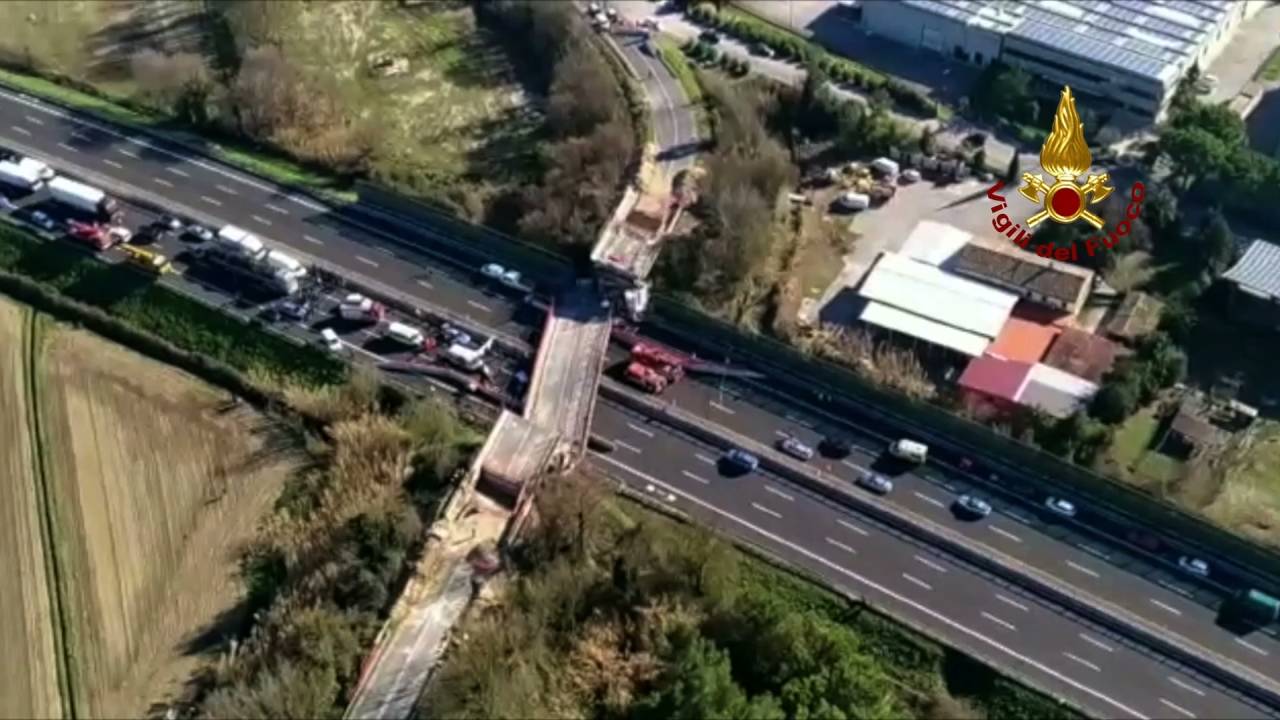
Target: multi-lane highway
(1057,651)
(302,223)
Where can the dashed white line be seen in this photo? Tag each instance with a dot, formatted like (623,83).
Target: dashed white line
(20,130)
(999,621)
(385,250)
(264,221)
(779,493)
(930,564)
(917,581)
(855,466)
(1082,661)
(1005,533)
(705,459)
(1094,551)
(696,478)
(766,510)
(176,171)
(1170,586)
(642,431)
(628,446)
(317,241)
(479,306)
(426,284)
(1179,708)
(227,190)
(34,120)
(1252,647)
(722,408)
(211,201)
(1096,642)
(127,152)
(276,209)
(842,546)
(1168,608)
(112,163)
(65,146)
(1012,603)
(1185,686)
(928,499)
(1019,517)
(781,434)
(162,181)
(1082,569)
(854,528)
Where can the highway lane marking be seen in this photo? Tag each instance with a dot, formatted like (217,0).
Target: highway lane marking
(385,251)
(1169,608)
(854,528)
(1094,551)
(211,201)
(65,146)
(1011,602)
(1185,686)
(917,581)
(479,306)
(112,163)
(842,546)
(766,510)
(313,240)
(34,120)
(855,466)
(705,459)
(1019,517)
(127,152)
(276,209)
(929,563)
(928,499)
(1179,708)
(1005,533)
(426,284)
(1170,586)
(722,408)
(1083,662)
(698,478)
(265,221)
(21,130)
(976,635)
(179,173)
(1252,647)
(779,493)
(999,621)
(162,181)
(642,431)
(227,190)
(781,434)
(1081,568)
(627,445)
(1096,642)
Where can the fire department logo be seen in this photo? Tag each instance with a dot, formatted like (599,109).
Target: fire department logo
(1065,156)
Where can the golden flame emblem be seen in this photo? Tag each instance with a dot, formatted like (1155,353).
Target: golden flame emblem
(1065,156)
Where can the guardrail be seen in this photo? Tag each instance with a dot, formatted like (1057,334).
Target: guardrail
(843,390)
(1119,619)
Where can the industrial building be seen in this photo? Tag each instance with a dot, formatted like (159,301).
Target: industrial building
(1127,54)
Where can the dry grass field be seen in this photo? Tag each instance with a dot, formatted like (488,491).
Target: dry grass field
(156,485)
(28,651)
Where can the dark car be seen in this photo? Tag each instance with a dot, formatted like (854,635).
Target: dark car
(710,37)
(298,310)
(973,506)
(741,460)
(170,223)
(835,447)
(197,233)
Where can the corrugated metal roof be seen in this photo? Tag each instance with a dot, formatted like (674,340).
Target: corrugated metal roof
(1055,392)
(891,318)
(1258,271)
(943,298)
(933,242)
(995,376)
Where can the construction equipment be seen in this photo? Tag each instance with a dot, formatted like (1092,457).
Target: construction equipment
(149,260)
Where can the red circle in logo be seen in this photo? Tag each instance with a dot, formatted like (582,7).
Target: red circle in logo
(1066,201)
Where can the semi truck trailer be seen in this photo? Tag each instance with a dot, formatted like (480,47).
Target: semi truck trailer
(18,175)
(247,256)
(82,197)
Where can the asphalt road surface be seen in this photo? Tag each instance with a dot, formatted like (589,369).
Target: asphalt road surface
(674,125)
(950,600)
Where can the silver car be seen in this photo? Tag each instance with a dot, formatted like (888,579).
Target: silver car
(796,449)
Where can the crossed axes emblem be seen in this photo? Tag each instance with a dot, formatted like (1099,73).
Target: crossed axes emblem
(1064,201)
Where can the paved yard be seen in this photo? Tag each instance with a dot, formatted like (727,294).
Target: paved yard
(1245,54)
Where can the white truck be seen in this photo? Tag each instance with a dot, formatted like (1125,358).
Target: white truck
(16,174)
(358,308)
(241,251)
(80,196)
(40,167)
(469,358)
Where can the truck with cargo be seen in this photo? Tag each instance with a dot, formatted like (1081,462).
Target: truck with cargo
(244,254)
(358,308)
(23,177)
(667,364)
(82,197)
(645,378)
(1254,607)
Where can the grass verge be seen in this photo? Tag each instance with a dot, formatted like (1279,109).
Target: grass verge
(679,66)
(1269,71)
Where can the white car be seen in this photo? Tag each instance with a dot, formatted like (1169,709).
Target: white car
(796,449)
(1194,565)
(493,271)
(1065,508)
(512,279)
(119,235)
(330,340)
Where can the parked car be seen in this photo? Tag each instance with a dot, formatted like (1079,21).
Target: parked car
(796,449)
(1065,508)
(42,219)
(973,506)
(330,340)
(742,460)
(198,233)
(875,482)
(1194,565)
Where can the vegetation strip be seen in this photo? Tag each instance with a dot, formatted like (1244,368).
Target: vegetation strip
(48,526)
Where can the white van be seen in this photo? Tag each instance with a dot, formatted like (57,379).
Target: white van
(909,450)
(405,334)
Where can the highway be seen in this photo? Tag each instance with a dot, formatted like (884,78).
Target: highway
(946,598)
(449,285)
(675,127)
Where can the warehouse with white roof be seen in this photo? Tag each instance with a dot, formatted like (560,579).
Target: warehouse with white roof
(1129,53)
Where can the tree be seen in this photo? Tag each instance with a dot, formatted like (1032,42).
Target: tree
(1160,211)
(1215,248)
(1116,399)
(698,684)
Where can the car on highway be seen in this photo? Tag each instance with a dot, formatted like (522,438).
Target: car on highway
(795,449)
(197,233)
(973,506)
(1065,508)
(1194,566)
(42,219)
(741,460)
(455,335)
(875,482)
(909,450)
(510,278)
(170,223)
(297,310)
(330,340)
(835,447)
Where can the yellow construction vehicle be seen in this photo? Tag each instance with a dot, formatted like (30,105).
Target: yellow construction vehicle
(148,260)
